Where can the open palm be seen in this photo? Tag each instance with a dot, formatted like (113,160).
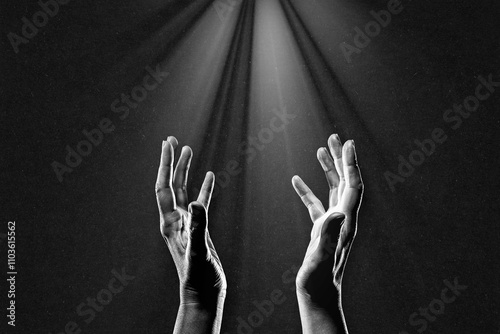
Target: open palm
(184,228)
(320,275)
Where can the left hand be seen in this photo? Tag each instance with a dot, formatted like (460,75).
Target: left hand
(185,230)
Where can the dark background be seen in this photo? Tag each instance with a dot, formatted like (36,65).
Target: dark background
(441,223)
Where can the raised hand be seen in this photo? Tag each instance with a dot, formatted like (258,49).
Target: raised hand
(319,279)
(185,230)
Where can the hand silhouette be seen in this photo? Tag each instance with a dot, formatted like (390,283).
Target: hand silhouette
(185,230)
(319,279)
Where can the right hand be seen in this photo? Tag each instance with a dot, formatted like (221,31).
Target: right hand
(320,276)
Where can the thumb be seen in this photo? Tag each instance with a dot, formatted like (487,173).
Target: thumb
(198,228)
(330,235)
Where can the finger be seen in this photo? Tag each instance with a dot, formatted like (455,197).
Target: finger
(346,238)
(173,141)
(164,193)
(198,226)
(171,224)
(329,235)
(332,177)
(181,176)
(351,200)
(335,146)
(354,184)
(206,190)
(211,247)
(312,203)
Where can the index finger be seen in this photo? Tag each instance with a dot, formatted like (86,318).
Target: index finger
(312,203)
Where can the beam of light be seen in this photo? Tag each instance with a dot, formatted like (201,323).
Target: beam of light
(229,79)
(316,27)
(160,35)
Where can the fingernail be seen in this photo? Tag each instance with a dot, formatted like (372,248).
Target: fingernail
(352,141)
(173,141)
(337,137)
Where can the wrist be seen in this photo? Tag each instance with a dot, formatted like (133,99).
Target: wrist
(201,312)
(196,317)
(202,301)
(325,296)
(321,316)
(327,304)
